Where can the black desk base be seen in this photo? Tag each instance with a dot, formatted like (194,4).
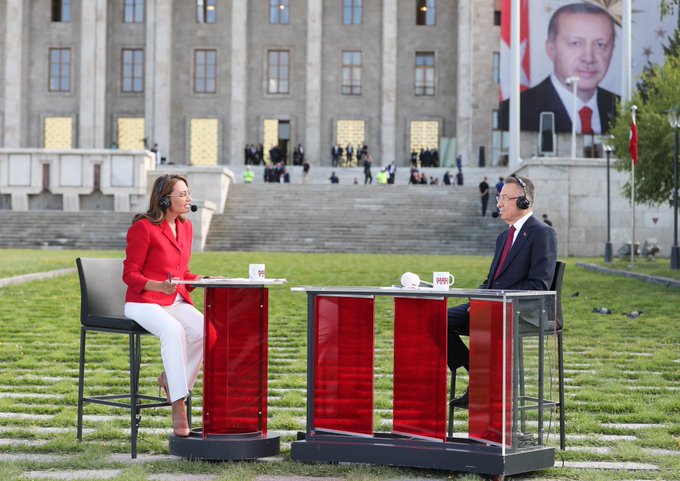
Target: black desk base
(227,447)
(457,454)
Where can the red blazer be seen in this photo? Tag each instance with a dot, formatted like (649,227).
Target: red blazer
(151,253)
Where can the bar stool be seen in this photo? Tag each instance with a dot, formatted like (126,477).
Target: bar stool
(102,300)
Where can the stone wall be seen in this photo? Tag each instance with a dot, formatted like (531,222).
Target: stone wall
(574,195)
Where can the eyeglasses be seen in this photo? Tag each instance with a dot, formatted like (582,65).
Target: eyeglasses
(186,193)
(505,198)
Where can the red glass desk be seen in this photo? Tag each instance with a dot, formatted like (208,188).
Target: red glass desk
(340,391)
(234,374)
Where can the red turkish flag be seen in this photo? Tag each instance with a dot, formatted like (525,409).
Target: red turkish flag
(633,142)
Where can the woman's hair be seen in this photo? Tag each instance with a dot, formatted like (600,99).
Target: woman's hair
(162,187)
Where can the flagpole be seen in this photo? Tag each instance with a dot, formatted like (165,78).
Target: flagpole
(515,60)
(633,109)
(626,51)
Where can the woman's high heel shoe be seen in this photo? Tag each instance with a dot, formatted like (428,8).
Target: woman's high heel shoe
(163,384)
(180,426)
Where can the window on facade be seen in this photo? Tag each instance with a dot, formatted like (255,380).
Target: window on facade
(500,141)
(61,10)
(205,71)
(278,11)
(278,71)
(351,12)
(60,70)
(424,73)
(496,74)
(497,18)
(58,133)
(206,11)
(351,72)
(133,70)
(425,12)
(134,11)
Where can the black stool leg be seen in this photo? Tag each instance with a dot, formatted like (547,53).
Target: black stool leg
(81,382)
(134,382)
(522,387)
(188,406)
(452,396)
(560,364)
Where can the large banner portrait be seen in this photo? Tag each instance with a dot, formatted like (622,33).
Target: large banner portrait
(572,46)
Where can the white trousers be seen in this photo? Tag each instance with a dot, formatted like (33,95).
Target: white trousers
(180,329)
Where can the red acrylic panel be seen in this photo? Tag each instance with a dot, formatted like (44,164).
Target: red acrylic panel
(420,341)
(486,372)
(343,364)
(235,361)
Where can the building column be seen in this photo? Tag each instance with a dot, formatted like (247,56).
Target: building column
(388,81)
(92,109)
(14,28)
(464,74)
(157,79)
(313,81)
(239,83)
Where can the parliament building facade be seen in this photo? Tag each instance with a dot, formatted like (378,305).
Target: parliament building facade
(202,79)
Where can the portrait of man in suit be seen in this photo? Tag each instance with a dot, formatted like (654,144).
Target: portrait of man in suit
(525,258)
(580,44)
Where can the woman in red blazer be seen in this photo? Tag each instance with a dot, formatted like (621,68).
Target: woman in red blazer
(159,248)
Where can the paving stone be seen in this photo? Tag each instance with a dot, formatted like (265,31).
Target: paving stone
(32,417)
(33,458)
(588,449)
(182,477)
(43,431)
(142,458)
(610,466)
(633,426)
(652,388)
(660,452)
(23,442)
(22,395)
(266,477)
(600,437)
(69,475)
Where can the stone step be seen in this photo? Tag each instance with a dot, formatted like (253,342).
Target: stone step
(353,218)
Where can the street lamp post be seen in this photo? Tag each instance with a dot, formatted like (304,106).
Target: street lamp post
(674,120)
(573,81)
(608,147)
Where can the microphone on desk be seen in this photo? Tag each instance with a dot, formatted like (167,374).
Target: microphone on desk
(495,215)
(193,208)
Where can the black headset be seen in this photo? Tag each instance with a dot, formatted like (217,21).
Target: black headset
(522,202)
(164,202)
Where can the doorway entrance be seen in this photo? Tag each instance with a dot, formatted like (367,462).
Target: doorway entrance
(276,140)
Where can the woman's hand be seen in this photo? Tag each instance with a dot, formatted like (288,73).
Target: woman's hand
(165,287)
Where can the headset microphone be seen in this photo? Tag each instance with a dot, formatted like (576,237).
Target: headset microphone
(495,215)
(193,208)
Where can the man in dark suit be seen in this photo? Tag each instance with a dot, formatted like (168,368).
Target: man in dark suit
(580,44)
(527,263)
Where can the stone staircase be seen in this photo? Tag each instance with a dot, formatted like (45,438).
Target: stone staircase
(293,218)
(66,230)
(354,218)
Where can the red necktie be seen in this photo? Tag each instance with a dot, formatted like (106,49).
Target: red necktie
(506,249)
(586,114)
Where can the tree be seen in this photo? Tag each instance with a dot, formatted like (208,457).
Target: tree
(658,91)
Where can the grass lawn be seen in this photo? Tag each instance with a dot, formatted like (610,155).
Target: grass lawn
(623,375)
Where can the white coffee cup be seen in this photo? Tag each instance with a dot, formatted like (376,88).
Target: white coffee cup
(256,272)
(409,279)
(442,280)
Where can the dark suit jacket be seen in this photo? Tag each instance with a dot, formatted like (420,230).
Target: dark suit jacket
(530,264)
(544,98)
